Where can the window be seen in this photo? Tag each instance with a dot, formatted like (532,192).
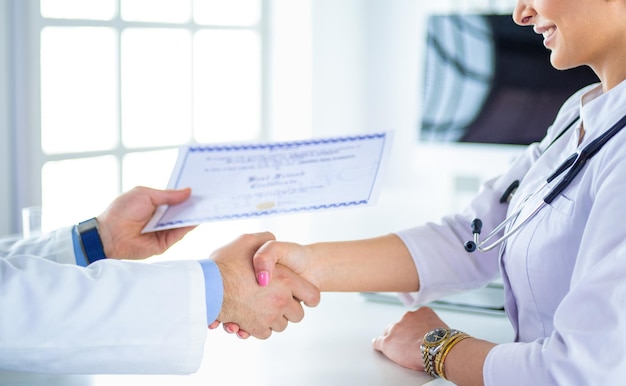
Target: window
(122,83)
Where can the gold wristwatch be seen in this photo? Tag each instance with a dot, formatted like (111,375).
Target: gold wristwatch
(435,347)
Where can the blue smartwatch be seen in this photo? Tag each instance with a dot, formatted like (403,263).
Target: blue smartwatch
(90,240)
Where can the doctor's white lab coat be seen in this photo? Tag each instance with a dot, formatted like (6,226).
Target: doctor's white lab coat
(564,272)
(111,317)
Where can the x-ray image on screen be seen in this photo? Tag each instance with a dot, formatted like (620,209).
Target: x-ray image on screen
(488,80)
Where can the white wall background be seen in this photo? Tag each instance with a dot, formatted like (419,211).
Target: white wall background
(356,69)
(367,69)
(365,76)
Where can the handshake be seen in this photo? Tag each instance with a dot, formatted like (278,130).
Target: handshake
(248,307)
(265,281)
(265,284)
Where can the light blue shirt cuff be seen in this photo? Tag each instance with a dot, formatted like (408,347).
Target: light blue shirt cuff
(214,289)
(78,250)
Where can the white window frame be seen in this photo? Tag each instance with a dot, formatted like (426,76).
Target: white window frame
(22,157)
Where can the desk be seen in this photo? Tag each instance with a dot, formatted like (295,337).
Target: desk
(330,347)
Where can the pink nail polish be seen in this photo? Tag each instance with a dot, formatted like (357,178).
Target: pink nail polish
(263,278)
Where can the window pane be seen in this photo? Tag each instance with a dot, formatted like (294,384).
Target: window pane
(168,11)
(227,86)
(78,89)
(156,87)
(230,12)
(292,69)
(150,169)
(75,190)
(79,9)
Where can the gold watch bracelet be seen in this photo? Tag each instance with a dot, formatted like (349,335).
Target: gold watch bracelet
(440,358)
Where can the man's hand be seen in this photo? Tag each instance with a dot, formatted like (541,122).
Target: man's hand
(254,309)
(121,223)
(267,262)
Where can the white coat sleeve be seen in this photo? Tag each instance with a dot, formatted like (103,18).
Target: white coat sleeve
(111,317)
(443,265)
(55,246)
(588,344)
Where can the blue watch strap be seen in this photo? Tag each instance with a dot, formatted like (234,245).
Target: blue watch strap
(90,240)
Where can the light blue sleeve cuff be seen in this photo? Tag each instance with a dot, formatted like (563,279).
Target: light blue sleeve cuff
(78,251)
(214,289)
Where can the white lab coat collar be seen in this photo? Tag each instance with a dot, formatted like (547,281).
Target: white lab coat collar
(600,110)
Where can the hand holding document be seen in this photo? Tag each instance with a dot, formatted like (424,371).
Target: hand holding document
(238,181)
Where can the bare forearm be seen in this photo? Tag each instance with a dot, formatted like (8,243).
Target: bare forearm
(378,264)
(464,364)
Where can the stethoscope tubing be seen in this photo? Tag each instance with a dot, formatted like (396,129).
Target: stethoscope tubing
(581,159)
(573,164)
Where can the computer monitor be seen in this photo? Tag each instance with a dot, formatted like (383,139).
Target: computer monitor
(488,80)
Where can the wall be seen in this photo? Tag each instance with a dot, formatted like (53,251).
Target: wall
(367,68)
(7,223)
(365,76)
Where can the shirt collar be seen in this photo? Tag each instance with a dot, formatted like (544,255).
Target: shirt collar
(600,110)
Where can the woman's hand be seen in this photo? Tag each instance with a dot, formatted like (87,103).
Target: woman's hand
(401,341)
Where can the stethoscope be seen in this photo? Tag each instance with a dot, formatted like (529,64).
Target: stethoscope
(573,164)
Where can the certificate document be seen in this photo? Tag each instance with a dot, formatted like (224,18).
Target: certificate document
(240,181)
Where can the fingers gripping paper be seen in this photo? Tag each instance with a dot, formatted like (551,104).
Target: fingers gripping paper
(238,181)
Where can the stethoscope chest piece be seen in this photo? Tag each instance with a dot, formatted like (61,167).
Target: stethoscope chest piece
(571,167)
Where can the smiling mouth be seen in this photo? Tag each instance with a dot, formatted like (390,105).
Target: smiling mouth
(549,32)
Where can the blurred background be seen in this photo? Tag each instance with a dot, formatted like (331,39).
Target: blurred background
(97,95)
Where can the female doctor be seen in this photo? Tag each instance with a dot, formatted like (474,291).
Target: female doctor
(563,268)
(69,305)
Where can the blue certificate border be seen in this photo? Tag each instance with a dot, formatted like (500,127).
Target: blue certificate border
(278,145)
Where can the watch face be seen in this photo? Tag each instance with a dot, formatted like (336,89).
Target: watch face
(435,335)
